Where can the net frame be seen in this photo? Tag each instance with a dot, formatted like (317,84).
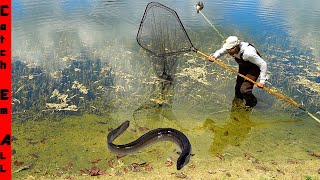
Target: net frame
(155,39)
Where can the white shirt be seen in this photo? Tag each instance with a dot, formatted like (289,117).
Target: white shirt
(249,53)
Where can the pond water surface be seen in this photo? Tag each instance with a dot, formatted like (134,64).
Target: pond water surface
(273,140)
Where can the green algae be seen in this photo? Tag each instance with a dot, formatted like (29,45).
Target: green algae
(236,143)
(56,143)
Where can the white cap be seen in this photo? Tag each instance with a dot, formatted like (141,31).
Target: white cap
(231,42)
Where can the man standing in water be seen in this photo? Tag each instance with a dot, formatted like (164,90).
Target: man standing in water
(250,64)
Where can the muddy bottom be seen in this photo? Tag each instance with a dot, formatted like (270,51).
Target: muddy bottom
(228,145)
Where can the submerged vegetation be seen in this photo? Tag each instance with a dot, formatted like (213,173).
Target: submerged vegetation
(62,117)
(75,79)
(154,92)
(82,87)
(99,87)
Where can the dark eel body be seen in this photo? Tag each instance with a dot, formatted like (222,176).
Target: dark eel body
(153,136)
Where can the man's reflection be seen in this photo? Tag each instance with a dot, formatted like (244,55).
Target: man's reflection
(233,133)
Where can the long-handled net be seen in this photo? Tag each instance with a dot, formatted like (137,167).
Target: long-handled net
(162,33)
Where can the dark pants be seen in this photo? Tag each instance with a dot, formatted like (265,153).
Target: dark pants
(243,89)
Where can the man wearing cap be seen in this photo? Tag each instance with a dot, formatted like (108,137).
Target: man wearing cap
(250,64)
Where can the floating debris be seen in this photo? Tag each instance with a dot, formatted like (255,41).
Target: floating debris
(315,87)
(263,168)
(126,170)
(315,154)
(43,140)
(141,129)
(180,175)
(292,161)
(169,162)
(148,167)
(30,166)
(136,167)
(197,74)
(118,173)
(220,155)
(71,177)
(61,107)
(95,161)
(249,157)
(101,122)
(83,172)
(280,171)
(111,163)
(34,155)
(82,88)
(95,171)
(69,165)
(18,163)
(33,142)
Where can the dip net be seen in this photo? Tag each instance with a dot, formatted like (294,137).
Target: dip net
(161,31)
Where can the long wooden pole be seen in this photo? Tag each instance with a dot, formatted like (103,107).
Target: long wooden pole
(254,82)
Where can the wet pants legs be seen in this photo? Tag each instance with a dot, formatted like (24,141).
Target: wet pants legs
(243,88)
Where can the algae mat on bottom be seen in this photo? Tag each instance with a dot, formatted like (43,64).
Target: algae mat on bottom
(225,147)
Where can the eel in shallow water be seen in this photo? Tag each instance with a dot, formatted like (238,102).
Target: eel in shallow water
(153,136)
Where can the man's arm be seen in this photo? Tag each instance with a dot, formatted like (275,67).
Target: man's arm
(251,55)
(218,54)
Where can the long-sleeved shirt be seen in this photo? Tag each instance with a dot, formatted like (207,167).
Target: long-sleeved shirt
(249,53)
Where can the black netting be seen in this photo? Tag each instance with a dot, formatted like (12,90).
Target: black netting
(161,31)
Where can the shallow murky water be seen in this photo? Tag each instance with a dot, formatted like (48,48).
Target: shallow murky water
(271,141)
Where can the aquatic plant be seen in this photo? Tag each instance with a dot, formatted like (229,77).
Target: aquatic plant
(42,93)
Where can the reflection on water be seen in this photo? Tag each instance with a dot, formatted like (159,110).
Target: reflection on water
(159,104)
(232,133)
(176,91)
(236,129)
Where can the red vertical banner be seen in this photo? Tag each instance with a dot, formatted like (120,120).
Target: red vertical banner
(5,89)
